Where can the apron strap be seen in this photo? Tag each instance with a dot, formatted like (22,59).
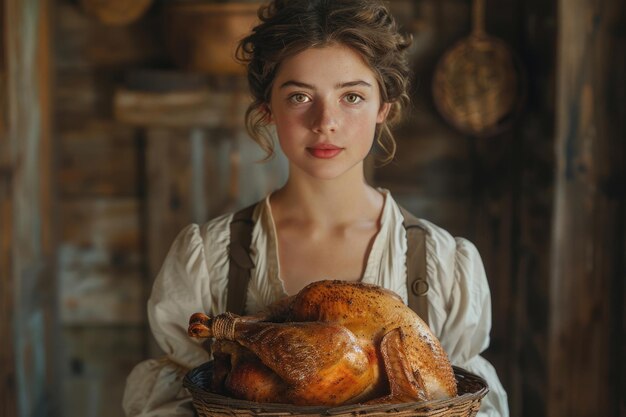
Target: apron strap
(416,278)
(240,262)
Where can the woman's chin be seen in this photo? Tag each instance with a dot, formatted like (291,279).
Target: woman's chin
(329,172)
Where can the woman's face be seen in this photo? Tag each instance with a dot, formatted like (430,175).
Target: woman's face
(325,104)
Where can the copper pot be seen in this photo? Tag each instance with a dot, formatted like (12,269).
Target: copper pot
(115,12)
(203,36)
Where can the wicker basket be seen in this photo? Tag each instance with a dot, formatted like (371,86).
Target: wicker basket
(471,390)
(479,85)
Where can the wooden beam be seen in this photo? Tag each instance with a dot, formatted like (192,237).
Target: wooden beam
(586,289)
(7,355)
(8,406)
(26,234)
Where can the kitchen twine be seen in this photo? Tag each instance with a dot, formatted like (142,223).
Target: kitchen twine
(224,326)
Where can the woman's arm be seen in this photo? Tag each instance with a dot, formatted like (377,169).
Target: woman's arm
(460,311)
(182,287)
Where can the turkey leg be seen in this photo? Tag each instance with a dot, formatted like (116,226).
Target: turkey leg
(322,363)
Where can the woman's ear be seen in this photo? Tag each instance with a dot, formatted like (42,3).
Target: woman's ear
(383,112)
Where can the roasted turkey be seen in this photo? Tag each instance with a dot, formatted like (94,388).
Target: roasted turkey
(333,343)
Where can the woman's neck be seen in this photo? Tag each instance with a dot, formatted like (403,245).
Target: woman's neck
(326,203)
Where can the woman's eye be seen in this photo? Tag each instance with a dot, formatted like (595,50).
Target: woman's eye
(353,98)
(299,98)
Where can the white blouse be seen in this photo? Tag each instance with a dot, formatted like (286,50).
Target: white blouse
(194,275)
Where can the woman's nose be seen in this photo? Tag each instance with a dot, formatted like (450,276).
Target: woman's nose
(324,118)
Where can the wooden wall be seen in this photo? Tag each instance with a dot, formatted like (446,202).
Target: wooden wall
(100,254)
(586,333)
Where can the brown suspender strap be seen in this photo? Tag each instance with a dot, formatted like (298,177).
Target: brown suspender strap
(240,262)
(416,278)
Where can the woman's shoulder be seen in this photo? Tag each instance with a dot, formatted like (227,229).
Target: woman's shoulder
(197,240)
(438,239)
(216,227)
(444,250)
(446,246)
(441,238)
(216,232)
(197,233)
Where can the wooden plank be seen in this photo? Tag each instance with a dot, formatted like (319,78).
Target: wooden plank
(498,166)
(4,97)
(621,351)
(590,202)
(95,362)
(184,109)
(95,294)
(101,262)
(492,213)
(528,383)
(168,201)
(8,393)
(111,224)
(79,96)
(100,158)
(167,208)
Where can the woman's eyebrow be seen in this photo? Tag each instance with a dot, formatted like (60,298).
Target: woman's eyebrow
(293,83)
(355,83)
(299,84)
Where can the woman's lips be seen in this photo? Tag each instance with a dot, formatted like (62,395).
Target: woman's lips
(324,151)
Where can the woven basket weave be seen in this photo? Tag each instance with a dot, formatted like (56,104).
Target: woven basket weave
(471,390)
(479,85)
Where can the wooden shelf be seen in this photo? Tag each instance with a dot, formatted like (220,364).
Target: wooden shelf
(185,109)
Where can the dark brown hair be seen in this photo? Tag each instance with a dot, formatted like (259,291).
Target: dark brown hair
(288,27)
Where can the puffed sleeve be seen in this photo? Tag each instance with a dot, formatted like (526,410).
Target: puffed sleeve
(182,287)
(461,312)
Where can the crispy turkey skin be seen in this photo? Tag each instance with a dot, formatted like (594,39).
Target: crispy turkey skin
(333,343)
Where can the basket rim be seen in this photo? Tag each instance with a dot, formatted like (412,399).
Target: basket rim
(218,399)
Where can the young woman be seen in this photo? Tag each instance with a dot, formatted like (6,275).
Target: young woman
(328,77)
